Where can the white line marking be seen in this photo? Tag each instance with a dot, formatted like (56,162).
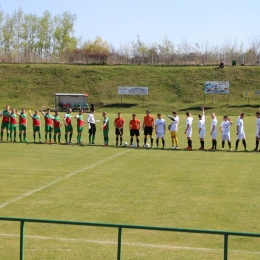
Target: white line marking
(61,179)
(77,240)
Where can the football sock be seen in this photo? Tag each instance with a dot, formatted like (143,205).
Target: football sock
(11,136)
(256,144)
(50,136)
(24,136)
(121,140)
(163,142)
(131,140)
(34,137)
(213,143)
(89,138)
(54,138)
(46,137)
(116,140)
(40,136)
(244,143)
(223,144)
(229,145)
(237,141)
(2,135)
(8,136)
(93,138)
(172,141)
(216,144)
(137,140)
(157,142)
(176,141)
(202,144)
(70,137)
(20,137)
(66,138)
(145,140)
(59,136)
(151,141)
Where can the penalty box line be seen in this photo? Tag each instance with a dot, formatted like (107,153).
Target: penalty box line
(61,179)
(104,242)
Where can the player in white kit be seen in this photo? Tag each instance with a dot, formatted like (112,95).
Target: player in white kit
(174,129)
(160,129)
(188,130)
(225,130)
(257,134)
(240,131)
(214,131)
(202,130)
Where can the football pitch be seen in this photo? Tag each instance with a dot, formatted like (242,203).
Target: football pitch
(152,187)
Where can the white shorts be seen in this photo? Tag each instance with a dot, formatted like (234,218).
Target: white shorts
(214,135)
(202,134)
(160,135)
(257,134)
(226,137)
(189,133)
(241,135)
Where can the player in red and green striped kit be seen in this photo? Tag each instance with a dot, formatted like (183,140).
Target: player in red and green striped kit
(48,124)
(22,125)
(80,124)
(5,122)
(68,125)
(36,124)
(57,127)
(13,125)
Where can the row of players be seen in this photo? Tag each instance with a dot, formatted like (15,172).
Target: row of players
(53,124)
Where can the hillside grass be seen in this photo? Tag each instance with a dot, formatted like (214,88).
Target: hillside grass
(170,88)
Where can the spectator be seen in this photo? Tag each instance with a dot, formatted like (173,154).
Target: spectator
(221,65)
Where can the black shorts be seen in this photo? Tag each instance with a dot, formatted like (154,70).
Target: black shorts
(119,131)
(92,129)
(134,132)
(148,130)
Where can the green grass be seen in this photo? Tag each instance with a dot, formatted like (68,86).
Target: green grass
(178,88)
(196,189)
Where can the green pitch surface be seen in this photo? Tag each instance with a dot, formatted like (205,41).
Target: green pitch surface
(153,187)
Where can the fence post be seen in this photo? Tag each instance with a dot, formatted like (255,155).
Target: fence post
(225,246)
(119,244)
(22,229)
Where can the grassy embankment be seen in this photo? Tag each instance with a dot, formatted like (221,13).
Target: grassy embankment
(178,88)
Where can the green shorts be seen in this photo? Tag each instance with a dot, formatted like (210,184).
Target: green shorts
(105,132)
(13,128)
(22,127)
(57,130)
(5,125)
(36,129)
(48,129)
(68,128)
(80,129)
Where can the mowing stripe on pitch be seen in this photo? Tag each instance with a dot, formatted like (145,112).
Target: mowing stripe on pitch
(61,179)
(103,242)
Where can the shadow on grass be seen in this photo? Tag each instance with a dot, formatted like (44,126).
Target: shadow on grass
(246,105)
(119,105)
(196,108)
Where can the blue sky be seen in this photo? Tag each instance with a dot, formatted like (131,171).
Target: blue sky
(119,21)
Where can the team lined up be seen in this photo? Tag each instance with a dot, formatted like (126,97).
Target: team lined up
(53,125)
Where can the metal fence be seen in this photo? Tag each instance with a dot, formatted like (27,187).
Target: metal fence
(120,228)
(186,59)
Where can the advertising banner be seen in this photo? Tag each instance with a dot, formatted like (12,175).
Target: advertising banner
(251,93)
(216,87)
(132,90)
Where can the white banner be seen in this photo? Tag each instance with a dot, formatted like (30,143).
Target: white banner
(132,90)
(216,87)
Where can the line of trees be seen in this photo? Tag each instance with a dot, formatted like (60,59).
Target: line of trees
(29,38)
